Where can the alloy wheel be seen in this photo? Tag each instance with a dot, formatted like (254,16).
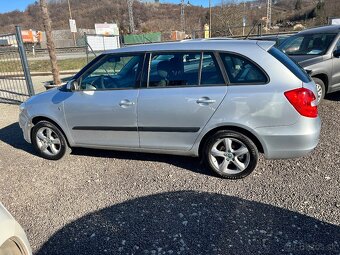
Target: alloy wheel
(48,141)
(229,156)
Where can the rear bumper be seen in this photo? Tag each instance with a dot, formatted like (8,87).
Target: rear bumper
(290,141)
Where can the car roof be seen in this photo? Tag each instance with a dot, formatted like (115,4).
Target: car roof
(195,45)
(322,30)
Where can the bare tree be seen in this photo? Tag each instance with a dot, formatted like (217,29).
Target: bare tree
(50,43)
(227,16)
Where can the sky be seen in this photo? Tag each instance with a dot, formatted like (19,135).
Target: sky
(11,5)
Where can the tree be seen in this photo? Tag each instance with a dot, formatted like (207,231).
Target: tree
(50,44)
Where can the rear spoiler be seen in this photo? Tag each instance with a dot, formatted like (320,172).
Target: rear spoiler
(266,45)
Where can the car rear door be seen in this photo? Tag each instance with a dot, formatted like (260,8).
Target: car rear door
(103,111)
(182,91)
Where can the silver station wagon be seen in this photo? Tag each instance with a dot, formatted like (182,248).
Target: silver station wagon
(225,101)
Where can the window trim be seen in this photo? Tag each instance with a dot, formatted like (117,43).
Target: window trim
(212,52)
(251,61)
(104,56)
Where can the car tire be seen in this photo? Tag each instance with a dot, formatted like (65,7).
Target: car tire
(230,154)
(48,140)
(320,89)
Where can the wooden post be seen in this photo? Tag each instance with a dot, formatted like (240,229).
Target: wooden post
(50,43)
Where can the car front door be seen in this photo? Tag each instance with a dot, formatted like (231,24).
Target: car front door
(183,90)
(336,68)
(102,112)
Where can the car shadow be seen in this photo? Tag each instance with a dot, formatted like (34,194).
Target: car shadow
(188,222)
(13,136)
(189,163)
(333,96)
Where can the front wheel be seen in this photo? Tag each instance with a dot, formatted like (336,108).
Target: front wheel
(49,141)
(230,154)
(320,88)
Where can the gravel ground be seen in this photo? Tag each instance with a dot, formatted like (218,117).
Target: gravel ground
(106,202)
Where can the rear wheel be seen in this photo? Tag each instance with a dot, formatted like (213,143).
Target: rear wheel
(230,154)
(49,141)
(320,88)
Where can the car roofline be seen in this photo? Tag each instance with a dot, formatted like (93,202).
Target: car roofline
(195,45)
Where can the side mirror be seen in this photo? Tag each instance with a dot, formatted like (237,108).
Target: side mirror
(72,85)
(336,53)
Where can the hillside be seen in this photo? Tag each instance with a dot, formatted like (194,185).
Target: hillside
(148,17)
(166,17)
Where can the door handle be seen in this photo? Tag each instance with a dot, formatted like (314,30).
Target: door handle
(126,103)
(205,101)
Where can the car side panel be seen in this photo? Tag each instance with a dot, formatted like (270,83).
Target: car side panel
(257,106)
(161,109)
(50,105)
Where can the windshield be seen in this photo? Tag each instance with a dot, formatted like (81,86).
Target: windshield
(307,44)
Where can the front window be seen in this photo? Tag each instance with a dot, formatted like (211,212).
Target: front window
(112,72)
(307,44)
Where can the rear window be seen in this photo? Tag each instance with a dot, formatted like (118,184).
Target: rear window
(295,68)
(241,70)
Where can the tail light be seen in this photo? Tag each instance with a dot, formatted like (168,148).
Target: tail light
(303,101)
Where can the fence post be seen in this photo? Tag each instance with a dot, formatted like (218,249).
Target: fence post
(86,47)
(24,61)
(259,29)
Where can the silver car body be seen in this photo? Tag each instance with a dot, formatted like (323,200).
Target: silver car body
(325,67)
(170,120)
(11,231)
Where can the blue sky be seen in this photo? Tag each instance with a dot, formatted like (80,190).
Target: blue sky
(12,5)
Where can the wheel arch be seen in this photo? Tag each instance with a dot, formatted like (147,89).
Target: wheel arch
(324,78)
(241,130)
(35,120)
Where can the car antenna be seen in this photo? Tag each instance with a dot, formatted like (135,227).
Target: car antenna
(251,30)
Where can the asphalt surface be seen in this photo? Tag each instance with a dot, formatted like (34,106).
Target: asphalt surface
(106,202)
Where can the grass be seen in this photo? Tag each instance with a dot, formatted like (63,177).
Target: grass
(44,65)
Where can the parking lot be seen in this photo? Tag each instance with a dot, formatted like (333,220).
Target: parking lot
(106,202)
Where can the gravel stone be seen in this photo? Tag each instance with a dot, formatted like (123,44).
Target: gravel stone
(144,199)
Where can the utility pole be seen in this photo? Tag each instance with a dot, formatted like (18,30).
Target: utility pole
(244,17)
(182,16)
(209,18)
(131,21)
(269,15)
(74,34)
(50,44)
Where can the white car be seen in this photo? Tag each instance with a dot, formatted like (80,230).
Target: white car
(13,240)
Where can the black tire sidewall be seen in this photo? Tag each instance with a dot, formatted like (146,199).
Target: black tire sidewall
(63,143)
(253,151)
(322,84)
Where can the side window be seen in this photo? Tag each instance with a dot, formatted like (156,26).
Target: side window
(112,72)
(242,71)
(211,73)
(174,69)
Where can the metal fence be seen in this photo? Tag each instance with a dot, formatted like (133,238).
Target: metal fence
(15,80)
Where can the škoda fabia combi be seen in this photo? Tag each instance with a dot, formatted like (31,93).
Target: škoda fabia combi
(222,100)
